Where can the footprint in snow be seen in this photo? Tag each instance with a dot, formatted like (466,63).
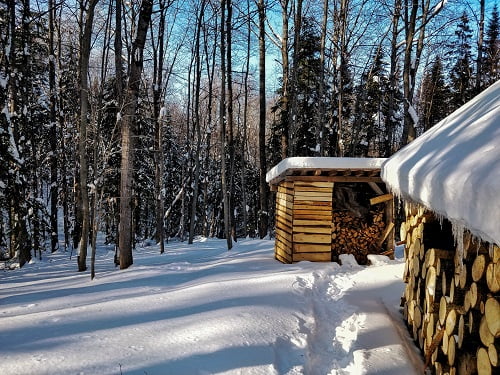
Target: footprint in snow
(137,348)
(39,358)
(301,285)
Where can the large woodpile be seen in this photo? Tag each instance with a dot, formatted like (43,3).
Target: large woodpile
(451,300)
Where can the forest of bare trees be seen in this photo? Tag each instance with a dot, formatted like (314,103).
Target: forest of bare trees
(158,119)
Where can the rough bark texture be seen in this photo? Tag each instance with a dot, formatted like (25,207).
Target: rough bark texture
(263,188)
(84,209)
(128,131)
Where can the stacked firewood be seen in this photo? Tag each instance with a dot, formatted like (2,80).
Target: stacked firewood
(359,236)
(451,300)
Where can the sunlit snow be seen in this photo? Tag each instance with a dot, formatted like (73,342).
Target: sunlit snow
(200,309)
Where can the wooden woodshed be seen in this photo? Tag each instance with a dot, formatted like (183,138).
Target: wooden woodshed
(449,179)
(329,206)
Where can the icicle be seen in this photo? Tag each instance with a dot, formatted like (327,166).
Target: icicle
(458,229)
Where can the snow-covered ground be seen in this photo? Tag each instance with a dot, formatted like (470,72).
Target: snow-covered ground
(200,309)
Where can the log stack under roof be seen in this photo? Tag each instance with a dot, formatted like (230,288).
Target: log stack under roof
(451,300)
(324,212)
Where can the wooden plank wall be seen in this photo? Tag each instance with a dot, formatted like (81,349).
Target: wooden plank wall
(284,215)
(312,221)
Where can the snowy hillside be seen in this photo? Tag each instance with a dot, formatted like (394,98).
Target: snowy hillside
(201,309)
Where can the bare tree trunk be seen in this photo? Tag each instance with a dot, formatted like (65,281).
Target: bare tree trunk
(82,149)
(210,67)
(391,101)
(321,118)
(411,59)
(230,117)
(128,133)
(53,131)
(159,121)
(65,185)
(285,122)
(118,53)
(293,82)
(263,187)
(222,120)
(96,189)
(243,147)
(479,64)
(343,55)
(194,202)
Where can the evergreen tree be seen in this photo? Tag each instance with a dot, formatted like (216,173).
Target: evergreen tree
(461,76)
(306,90)
(491,65)
(370,110)
(434,94)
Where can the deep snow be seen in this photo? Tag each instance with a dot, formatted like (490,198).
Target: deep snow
(454,168)
(200,309)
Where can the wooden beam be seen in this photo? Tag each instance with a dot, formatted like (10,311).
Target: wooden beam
(376,188)
(381,198)
(387,230)
(334,179)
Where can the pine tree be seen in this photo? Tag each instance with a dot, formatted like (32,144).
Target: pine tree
(370,110)
(434,93)
(306,90)
(461,76)
(491,65)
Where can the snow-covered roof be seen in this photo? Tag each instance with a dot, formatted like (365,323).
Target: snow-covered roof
(454,168)
(287,166)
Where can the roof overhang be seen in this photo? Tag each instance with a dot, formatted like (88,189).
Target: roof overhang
(333,169)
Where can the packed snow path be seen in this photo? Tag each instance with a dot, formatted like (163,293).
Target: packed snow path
(200,309)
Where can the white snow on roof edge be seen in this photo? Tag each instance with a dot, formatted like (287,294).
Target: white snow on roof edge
(453,169)
(322,163)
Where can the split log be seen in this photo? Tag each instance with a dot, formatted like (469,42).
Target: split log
(493,277)
(495,254)
(451,323)
(477,294)
(452,347)
(492,316)
(461,331)
(474,321)
(485,335)
(445,306)
(483,362)
(479,267)
(493,352)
